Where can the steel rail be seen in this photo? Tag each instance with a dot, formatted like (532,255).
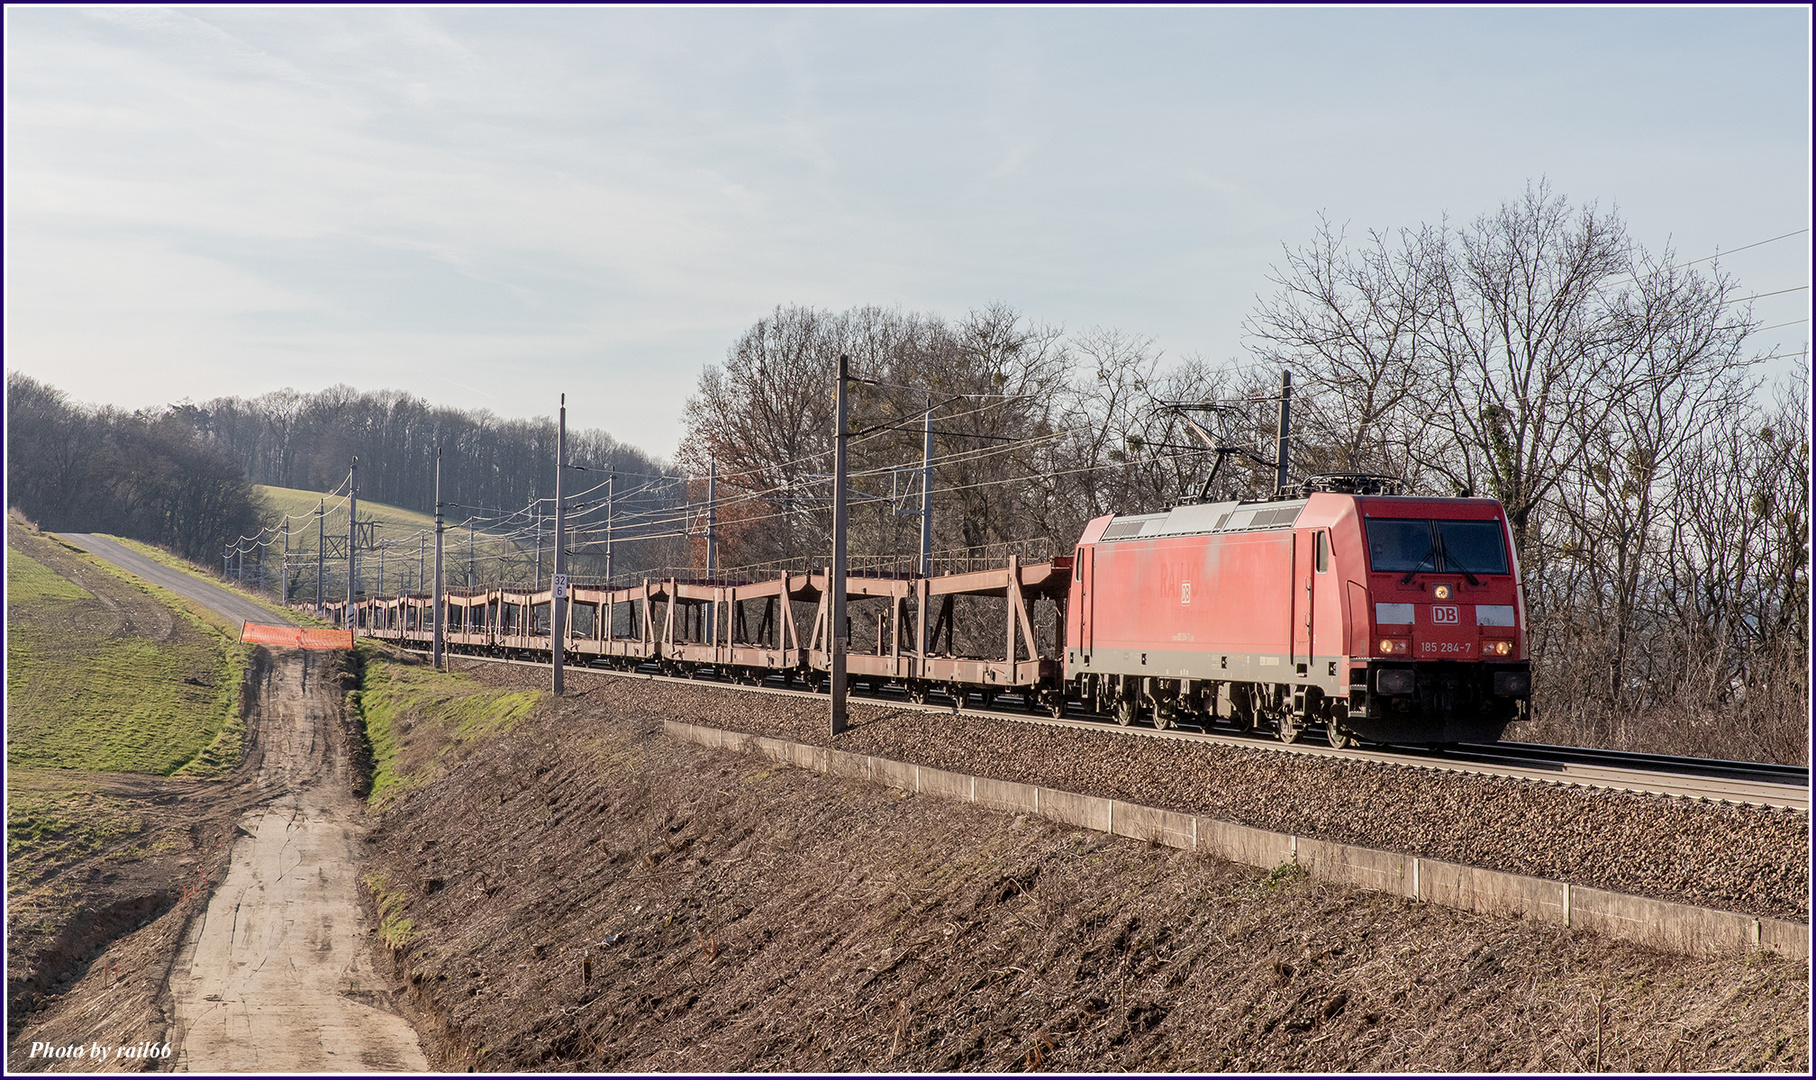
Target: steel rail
(1478,760)
(1761,771)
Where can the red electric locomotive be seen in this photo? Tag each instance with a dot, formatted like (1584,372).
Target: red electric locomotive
(1389,618)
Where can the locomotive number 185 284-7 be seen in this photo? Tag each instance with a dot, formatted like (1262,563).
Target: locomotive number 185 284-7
(1458,648)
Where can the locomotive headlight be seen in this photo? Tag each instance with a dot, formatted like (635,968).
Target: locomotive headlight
(1502,647)
(1441,592)
(1394,647)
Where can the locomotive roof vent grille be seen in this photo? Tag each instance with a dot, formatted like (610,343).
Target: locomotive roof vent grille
(1262,518)
(1285,515)
(1123,529)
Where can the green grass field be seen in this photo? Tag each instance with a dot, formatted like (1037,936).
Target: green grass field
(114,674)
(409,539)
(392,521)
(418,718)
(59,826)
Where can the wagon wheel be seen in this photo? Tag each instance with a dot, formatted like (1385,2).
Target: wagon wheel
(1124,711)
(1339,736)
(917,692)
(987,698)
(1056,705)
(1163,716)
(1290,727)
(956,691)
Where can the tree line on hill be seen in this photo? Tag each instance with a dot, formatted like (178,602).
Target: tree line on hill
(498,473)
(1659,501)
(182,476)
(147,474)
(490,464)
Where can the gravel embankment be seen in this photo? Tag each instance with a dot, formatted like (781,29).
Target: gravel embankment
(1746,859)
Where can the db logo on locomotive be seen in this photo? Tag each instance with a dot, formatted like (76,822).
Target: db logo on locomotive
(1444,615)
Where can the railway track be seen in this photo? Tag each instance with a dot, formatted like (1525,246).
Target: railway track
(1745,783)
(1770,779)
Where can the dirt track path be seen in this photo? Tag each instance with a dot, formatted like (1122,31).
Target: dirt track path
(278,975)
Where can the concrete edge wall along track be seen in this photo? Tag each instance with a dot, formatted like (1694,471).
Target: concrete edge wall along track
(1660,924)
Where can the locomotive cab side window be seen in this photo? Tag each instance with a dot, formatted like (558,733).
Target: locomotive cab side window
(1420,546)
(1321,553)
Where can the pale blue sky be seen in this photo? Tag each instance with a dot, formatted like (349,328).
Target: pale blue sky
(490,207)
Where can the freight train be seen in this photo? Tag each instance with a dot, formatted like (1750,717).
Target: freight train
(1379,617)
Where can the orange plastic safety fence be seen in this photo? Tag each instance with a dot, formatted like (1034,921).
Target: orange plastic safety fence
(297,637)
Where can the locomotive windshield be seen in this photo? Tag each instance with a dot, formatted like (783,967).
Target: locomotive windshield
(1421,546)
(1472,546)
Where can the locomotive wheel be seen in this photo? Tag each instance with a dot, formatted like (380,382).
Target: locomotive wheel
(1290,728)
(1340,739)
(1163,716)
(1124,711)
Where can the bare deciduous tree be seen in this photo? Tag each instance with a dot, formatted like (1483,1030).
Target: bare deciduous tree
(1540,356)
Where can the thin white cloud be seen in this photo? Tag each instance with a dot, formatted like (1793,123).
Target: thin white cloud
(607,196)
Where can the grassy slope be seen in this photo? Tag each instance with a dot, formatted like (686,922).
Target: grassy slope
(398,526)
(98,678)
(130,680)
(392,521)
(442,714)
(58,826)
